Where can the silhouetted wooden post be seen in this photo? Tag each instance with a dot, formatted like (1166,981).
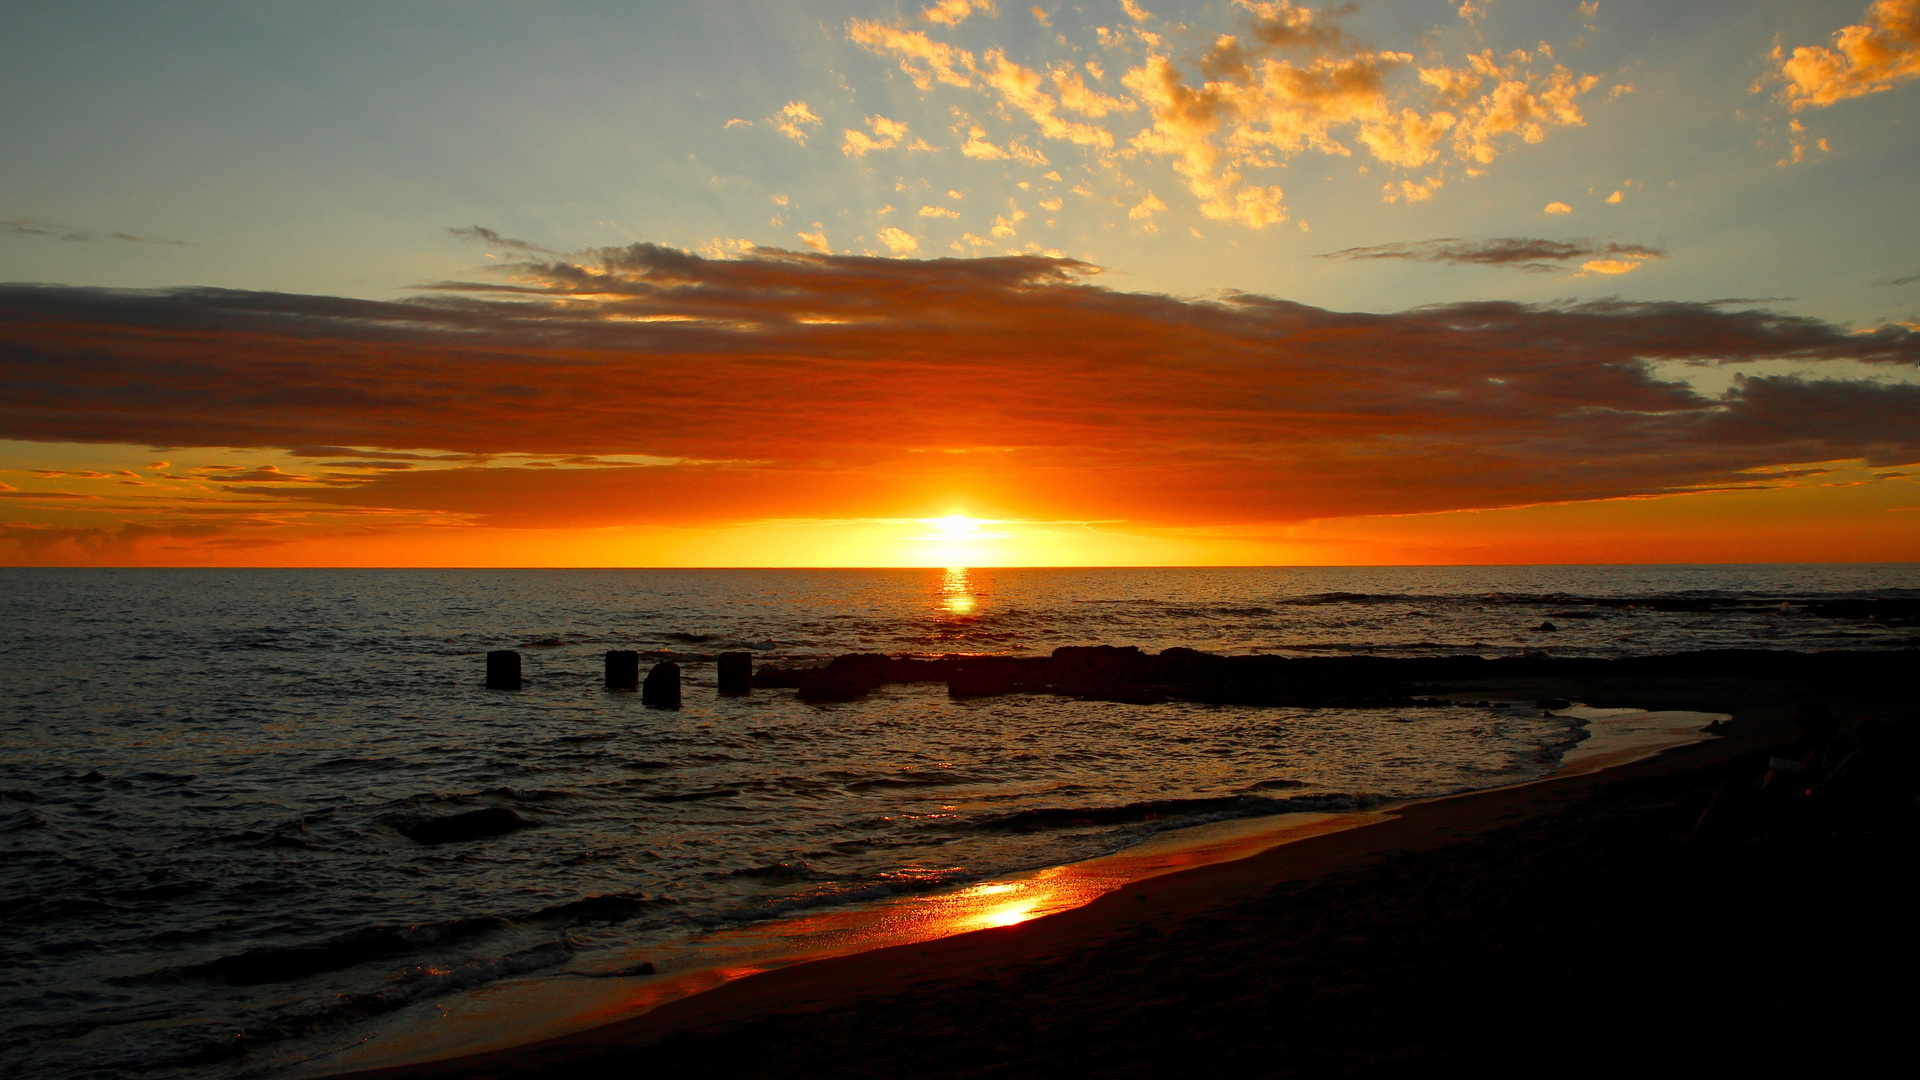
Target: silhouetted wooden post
(736,672)
(662,688)
(623,670)
(503,670)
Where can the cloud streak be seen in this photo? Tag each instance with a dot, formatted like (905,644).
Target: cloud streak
(1519,252)
(28,227)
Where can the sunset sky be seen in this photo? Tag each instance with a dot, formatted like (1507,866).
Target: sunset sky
(959,283)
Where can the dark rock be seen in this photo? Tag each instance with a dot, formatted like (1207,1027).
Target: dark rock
(779,677)
(735,672)
(662,688)
(1551,704)
(1128,675)
(855,675)
(607,908)
(623,670)
(503,670)
(1546,626)
(472,825)
(989,676)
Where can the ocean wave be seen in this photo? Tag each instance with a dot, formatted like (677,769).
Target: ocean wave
(1153,810)
(285,963)
(404,988)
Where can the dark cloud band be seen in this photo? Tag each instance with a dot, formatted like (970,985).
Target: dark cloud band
(790,384)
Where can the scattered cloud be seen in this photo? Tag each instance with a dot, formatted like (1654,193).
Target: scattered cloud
(1558,208)
(922,59)
(1863,59)
(1144,209)
(955,12)
(817,239)
(795,121)
(1291,80)
(1614,199)
(1040,16)
(978,146)
(886,135)
(1519,252)
(938,212)
(898,240)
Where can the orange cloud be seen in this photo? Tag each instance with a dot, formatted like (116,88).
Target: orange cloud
(898,240)
(886,135)
(955,12)
(1292,81)
(794,121)
(921,58)
(1864,59)
(1252,103)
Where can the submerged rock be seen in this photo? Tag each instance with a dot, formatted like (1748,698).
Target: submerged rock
(734,672)
(473,825)
(662,688)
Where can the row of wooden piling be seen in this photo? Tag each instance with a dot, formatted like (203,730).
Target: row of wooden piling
(659,690)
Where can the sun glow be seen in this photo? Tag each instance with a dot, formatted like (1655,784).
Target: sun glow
(958,540)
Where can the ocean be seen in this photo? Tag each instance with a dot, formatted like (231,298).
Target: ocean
(205,774)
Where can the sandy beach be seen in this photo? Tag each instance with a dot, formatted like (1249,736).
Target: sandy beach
(1561,923)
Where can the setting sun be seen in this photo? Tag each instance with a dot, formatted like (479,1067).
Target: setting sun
(955,525)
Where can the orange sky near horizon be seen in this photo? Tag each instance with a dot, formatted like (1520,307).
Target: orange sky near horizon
(1845,515)
(1221,282)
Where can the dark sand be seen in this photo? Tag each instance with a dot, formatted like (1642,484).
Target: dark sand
(1557,926)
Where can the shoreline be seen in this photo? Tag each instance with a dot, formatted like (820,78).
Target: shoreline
(860,952)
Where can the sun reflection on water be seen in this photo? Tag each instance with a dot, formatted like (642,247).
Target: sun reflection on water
(956,592)
(997,904)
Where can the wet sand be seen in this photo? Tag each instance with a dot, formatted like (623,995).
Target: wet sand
(1557,923)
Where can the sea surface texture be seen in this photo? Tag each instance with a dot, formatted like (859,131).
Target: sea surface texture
(211,782)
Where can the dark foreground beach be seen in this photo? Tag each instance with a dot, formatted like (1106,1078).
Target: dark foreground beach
(1578,924)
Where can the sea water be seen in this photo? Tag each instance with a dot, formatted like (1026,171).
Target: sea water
(201,771)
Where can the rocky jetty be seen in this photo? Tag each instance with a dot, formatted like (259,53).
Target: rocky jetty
(1127,674)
